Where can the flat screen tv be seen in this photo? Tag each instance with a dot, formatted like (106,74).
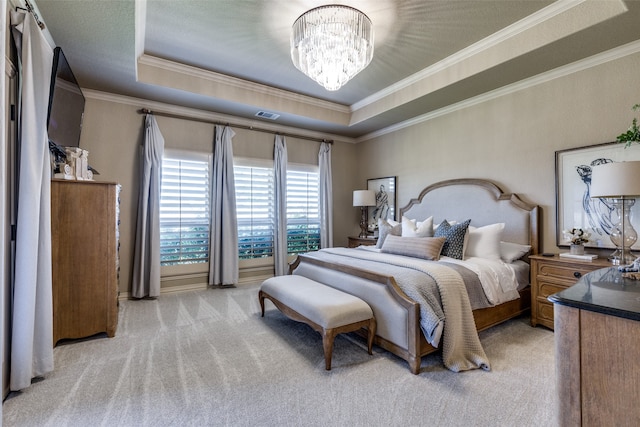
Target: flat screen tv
(66,105)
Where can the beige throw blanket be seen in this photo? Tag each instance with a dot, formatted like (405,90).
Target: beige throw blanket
(461,348)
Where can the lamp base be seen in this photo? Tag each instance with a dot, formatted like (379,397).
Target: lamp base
(363,222)
(622,257)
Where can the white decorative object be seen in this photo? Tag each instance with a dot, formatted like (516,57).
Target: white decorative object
(78,163)
(576,249)
(84,164)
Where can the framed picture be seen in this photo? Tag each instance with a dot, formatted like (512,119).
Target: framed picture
(575,207)
(385,207)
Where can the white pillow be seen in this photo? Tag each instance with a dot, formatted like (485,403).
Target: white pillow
(392,222)
(385,229)
(510,252)
(411,228)
(484,242)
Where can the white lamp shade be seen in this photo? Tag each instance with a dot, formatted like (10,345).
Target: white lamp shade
(614,180)
(364,198)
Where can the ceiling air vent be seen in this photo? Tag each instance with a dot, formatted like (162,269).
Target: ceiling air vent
(267,115)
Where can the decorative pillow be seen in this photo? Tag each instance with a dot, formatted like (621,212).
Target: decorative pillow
(454,245)
(392,222)
(417,247)
(435,226)
(385,229)
(421,229)
(484,242)
(510,252)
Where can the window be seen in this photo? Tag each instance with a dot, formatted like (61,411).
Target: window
(303,213)
(255,207)
(184,209)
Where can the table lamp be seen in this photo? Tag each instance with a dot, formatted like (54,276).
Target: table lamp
(620,182)
(364,198)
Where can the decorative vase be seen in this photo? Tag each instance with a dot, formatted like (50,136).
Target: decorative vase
(576,250)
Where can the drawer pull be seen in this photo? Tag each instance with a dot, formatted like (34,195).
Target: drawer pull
(577,274)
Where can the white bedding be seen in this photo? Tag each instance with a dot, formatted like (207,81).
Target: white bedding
(498,278)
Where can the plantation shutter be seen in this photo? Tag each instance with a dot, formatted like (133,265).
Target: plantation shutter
(184,210)
(303,218)
(254,205)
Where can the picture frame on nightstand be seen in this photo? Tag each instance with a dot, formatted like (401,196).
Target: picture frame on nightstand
(385,208)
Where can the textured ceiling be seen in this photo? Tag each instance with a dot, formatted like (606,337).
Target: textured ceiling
(428,54)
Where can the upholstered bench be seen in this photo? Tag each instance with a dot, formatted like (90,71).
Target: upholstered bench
(326,309)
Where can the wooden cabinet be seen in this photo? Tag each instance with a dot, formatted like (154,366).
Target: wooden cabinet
(354,242)
(597,340)
(550,275)
(84,237)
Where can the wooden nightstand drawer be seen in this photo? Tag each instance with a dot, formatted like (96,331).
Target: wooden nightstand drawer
(550,275)
(570,272)
(545,313)
(546,288)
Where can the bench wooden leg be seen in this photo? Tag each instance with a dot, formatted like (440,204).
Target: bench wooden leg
(372,333)
(328,336)
(261,297)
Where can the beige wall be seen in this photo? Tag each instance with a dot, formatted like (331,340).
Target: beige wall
(113,131)
(511,140)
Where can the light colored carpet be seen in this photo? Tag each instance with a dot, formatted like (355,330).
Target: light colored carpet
(208,358)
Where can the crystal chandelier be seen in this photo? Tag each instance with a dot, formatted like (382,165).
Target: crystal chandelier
(331,44)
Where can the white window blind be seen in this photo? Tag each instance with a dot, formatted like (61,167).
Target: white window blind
(184,210)
(255,208)
(254,204)
(303,219)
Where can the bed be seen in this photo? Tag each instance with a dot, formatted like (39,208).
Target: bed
(398,316)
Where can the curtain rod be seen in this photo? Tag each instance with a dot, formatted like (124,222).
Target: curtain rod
(32,11)
(257,129)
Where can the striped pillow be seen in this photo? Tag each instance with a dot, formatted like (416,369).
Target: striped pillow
(417,247)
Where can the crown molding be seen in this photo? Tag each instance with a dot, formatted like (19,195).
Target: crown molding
(237,83)
(575,67)
(207,115)
(493,41)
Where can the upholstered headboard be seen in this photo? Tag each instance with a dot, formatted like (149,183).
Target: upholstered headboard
(481,201)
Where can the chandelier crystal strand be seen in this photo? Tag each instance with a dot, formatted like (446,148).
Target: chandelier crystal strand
(331,44)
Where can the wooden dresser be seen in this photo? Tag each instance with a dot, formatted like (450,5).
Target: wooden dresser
(354,242)
(597,341)
(550,275)
(84,249)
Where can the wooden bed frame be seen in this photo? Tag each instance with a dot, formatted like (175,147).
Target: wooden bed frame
(482,201)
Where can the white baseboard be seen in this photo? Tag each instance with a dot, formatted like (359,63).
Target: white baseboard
(253,280)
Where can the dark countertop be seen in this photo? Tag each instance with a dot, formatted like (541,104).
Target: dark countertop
(603,291)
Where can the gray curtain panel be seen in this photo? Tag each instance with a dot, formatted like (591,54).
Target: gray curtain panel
(326,200)
(32,325)
(280,211)
(146,257)
(223,241)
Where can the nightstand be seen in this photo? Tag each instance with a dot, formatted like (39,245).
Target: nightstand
(550,275)
(354,242)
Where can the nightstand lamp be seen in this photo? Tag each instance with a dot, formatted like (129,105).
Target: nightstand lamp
(620,182)
(364,198)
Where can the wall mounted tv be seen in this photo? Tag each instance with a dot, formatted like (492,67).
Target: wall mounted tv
(66,105)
